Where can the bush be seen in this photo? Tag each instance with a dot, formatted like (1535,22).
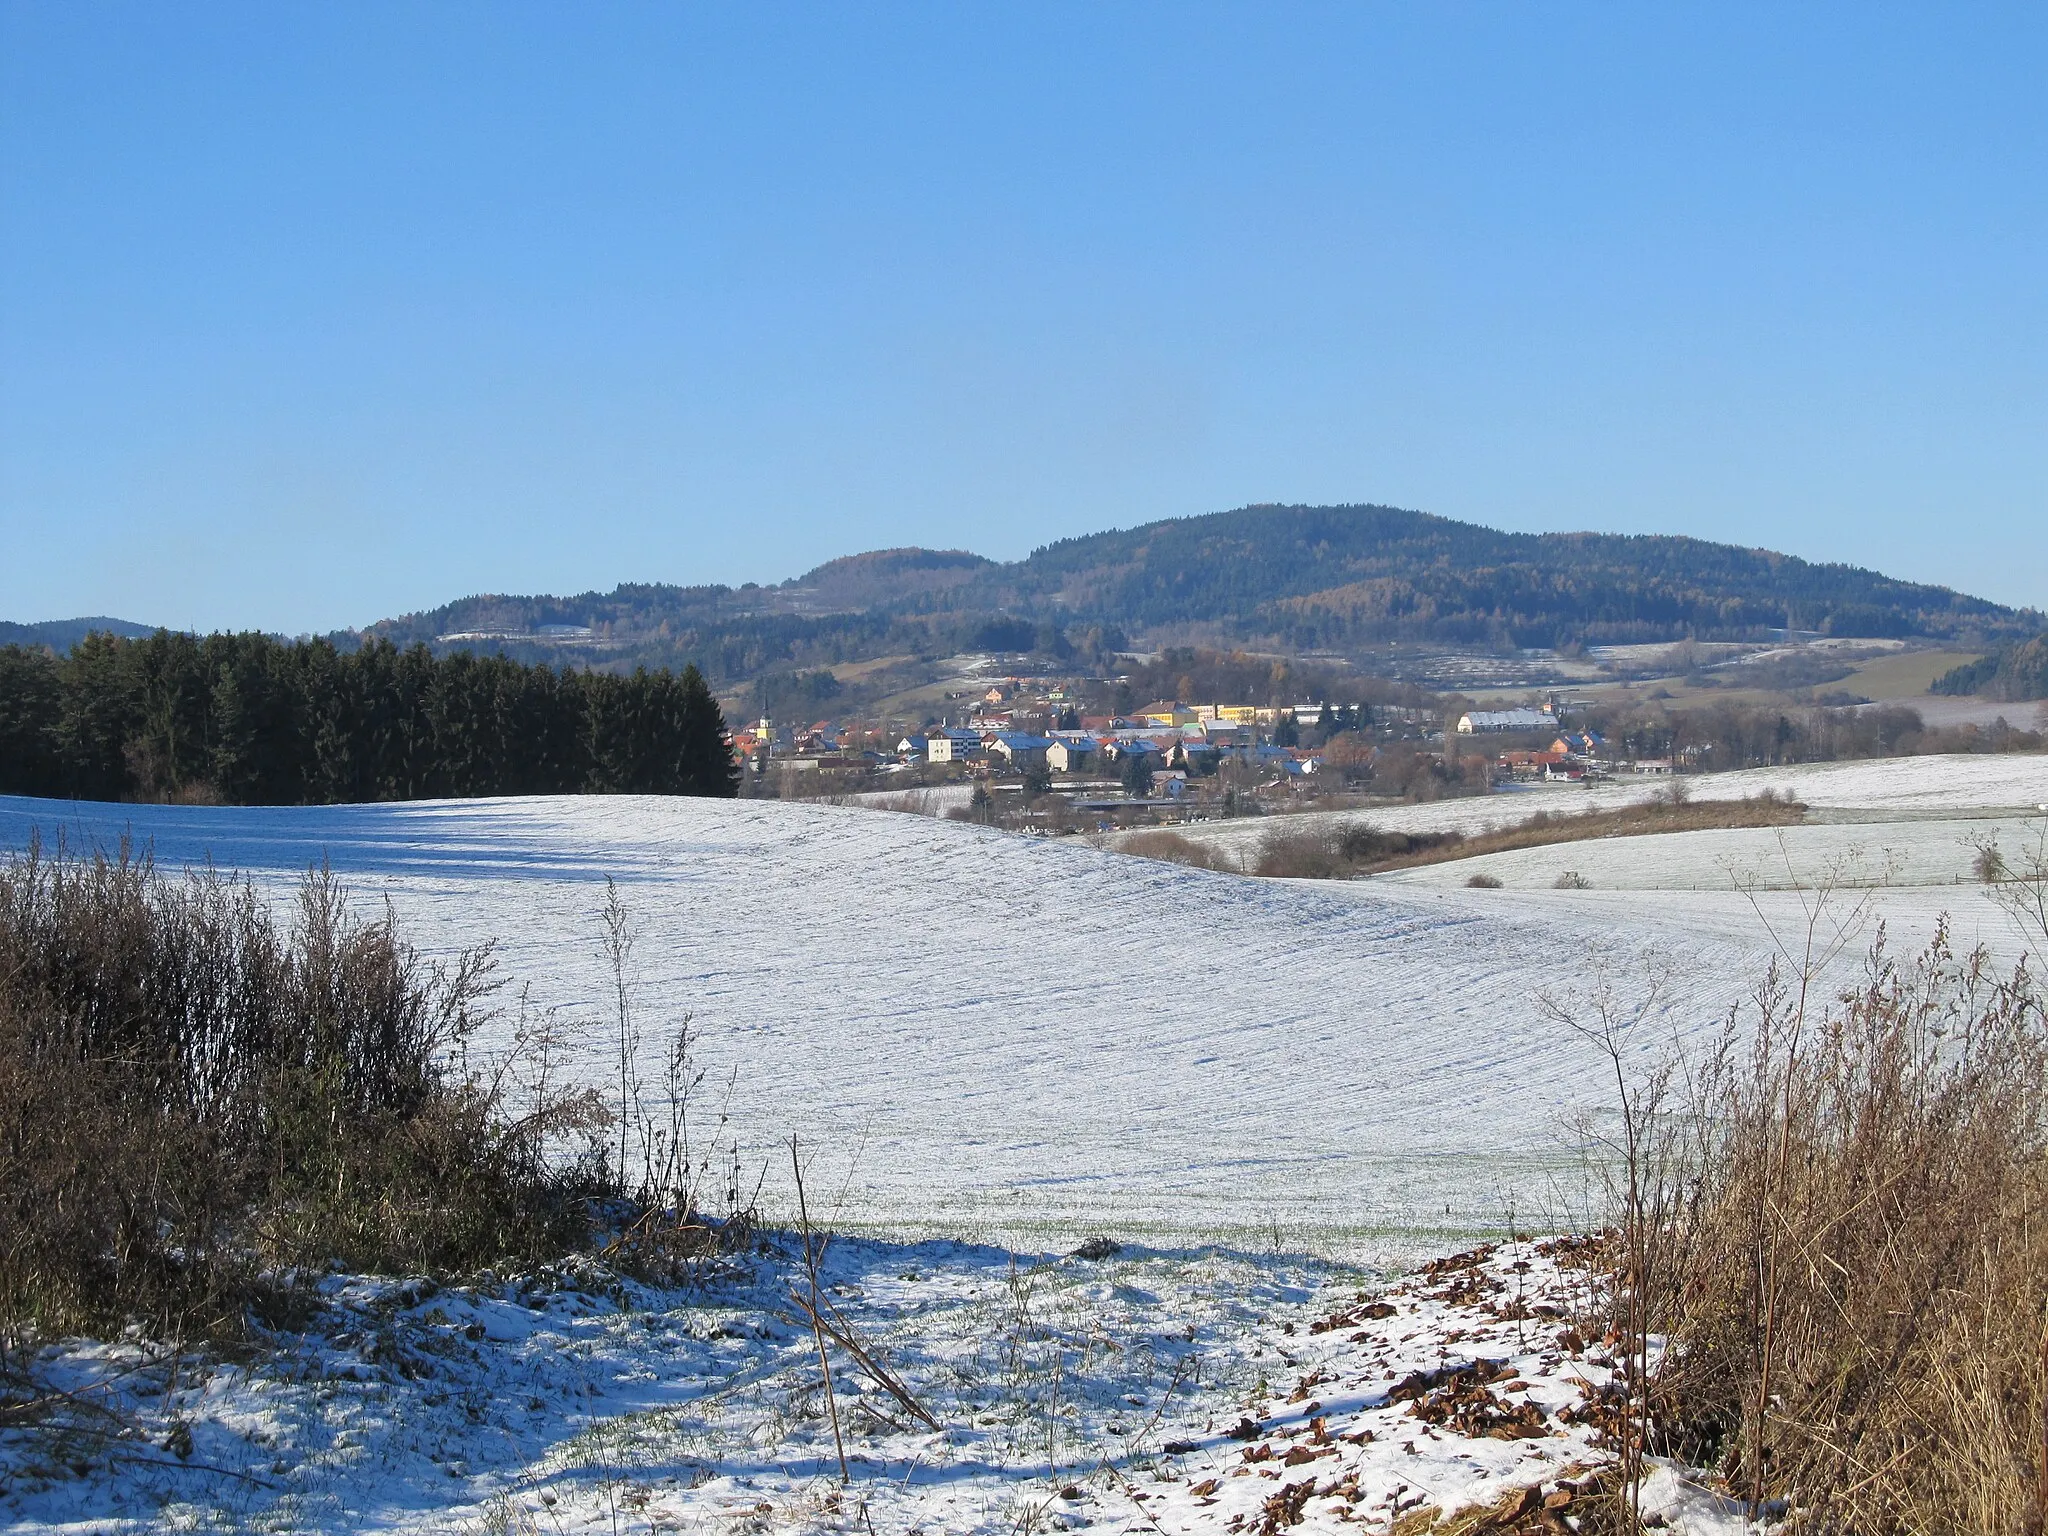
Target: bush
(1858,1279)
(192,1098)
(1335,853)
(1173,848)
(1484,882)
(1572,880)
(1829,1274)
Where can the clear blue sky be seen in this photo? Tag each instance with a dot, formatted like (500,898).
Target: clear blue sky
(311,314)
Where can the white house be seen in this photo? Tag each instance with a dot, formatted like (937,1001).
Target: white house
(1065,756)
(952,746)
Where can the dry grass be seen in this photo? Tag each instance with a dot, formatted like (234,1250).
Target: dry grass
(1345,852)
(1173,848)
(1546,828)
(193,1099)
(1342,852)
(1858,1302)
(1839,1221)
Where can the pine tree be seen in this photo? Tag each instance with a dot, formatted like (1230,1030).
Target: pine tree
(710,768)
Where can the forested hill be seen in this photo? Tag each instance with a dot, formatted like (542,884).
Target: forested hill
(1302,577)
(62,634)
(1327,575)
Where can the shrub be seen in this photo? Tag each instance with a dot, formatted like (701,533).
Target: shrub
(1572,880)
(191,1097)
(1310,855)
(1334,853)
(1484,882)
(1858,1278)
(1173,848)
(1829,1278)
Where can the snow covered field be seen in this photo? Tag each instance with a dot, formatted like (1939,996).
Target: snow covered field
(1008,1037)
(1897,789)
(1023,1039)
(1013,1041)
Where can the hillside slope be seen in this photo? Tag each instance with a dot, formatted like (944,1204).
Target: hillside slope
(1010,1035)
(1297,577)
(1325,575)
(61,634)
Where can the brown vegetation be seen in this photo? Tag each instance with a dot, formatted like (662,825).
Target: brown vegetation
(1839,1223)
(1173,848)
(1546,828)
(1338,853)
(193,1100)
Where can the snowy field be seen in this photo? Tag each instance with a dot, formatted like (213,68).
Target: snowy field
(1273,1092)
(1027,1040)
(1898,789)
(1012,1038)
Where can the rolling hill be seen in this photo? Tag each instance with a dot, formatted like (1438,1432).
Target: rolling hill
(1274,577)
(62,634)
(1286,577)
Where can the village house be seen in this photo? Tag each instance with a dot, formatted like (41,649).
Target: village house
(1070,756)
(1020,750)
(1529,765)
(953,746)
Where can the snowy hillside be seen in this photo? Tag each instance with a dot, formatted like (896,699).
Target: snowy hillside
(1018,1038)
(1003,1035)
(1908,788)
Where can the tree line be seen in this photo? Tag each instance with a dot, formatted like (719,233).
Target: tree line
(2014,673)
(250,720)
(1725,735)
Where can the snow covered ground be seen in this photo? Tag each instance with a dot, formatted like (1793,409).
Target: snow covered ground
(1896,789)
(999,1046)
(1027,1040)
(1012,1038)
(931,800)
(1137,1391)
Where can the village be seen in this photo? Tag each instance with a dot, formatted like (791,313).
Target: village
(1029,745)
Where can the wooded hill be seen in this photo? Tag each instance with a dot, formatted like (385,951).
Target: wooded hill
(1265,577)
(1284,577)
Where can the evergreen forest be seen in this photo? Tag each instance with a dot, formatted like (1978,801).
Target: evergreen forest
(2014,672)
(250,720)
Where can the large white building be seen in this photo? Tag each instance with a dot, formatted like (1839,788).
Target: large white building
(952,746)
(1506,720)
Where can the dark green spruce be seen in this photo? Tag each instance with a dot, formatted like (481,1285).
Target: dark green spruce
(251,720)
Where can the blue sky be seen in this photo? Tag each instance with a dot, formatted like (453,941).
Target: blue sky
(314,314)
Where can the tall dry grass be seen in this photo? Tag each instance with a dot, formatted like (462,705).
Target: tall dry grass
(1831,1258)
(194,1096)
(1858,1307)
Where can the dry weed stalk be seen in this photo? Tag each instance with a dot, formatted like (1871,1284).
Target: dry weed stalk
(811,1259)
